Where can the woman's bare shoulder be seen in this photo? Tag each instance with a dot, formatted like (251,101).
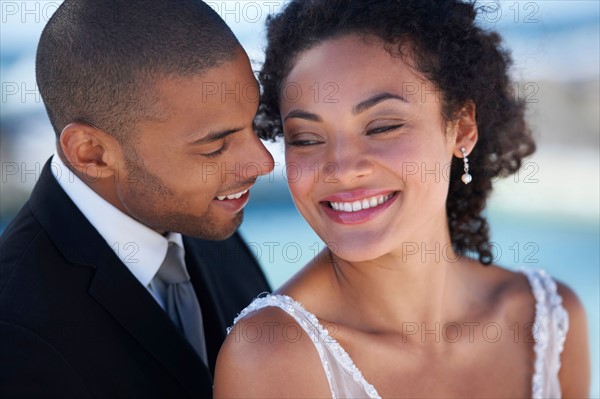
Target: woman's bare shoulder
(515,286)
(502,295)
(268,355)
(513,291)
(574,373)
(501,285)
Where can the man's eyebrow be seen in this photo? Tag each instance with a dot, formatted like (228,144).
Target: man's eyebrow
(296,113)
(376,99)
(212,137)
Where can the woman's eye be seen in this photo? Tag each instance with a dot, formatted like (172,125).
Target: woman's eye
(302,143)
(384,129)
(305,139)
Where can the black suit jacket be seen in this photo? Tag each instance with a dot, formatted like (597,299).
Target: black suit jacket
(75,323)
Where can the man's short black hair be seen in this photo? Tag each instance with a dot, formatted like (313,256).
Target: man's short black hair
(98,60)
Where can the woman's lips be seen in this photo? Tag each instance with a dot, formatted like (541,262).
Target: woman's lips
(356,208)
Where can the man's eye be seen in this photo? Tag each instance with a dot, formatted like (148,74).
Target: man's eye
(218,152)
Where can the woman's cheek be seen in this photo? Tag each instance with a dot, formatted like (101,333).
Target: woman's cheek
(298,174)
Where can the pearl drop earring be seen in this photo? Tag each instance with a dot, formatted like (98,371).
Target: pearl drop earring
(466,178)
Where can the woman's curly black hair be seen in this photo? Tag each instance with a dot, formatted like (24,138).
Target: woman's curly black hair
(464,61)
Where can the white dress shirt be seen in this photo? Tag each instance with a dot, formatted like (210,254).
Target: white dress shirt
(141,249)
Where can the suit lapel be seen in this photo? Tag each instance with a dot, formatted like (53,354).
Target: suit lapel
(128,302)
(114,287)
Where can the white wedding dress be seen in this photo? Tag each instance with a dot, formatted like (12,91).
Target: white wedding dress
(346,380)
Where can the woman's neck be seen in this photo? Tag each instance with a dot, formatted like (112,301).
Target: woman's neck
(417,287)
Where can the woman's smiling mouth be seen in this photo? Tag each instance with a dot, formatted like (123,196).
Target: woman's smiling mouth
(358,206)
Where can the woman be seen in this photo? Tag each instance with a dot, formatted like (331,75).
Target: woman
(396,116)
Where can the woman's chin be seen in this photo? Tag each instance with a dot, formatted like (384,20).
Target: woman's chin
(356,253)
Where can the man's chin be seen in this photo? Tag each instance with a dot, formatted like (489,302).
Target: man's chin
(213,231)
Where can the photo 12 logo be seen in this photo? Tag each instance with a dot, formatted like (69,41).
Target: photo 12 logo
(526,12)
(245,11)
(28,11)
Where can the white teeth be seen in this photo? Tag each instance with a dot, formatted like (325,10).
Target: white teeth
(360,205)
(232,196)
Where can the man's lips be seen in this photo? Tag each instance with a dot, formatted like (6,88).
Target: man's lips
(234,202)
(232,196)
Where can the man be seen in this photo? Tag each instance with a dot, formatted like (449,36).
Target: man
(152,103)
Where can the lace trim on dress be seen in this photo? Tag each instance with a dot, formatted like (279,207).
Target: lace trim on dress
(318,335)
(548,308)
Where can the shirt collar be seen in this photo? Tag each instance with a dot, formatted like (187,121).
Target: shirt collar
(140,248)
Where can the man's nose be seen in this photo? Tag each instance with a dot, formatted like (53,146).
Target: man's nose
(256,154)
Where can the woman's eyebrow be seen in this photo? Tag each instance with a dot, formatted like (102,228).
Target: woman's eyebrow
(361,107)
(376,99)
(300,114)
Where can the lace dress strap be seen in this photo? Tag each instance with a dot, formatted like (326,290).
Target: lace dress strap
(344,378)
(550,329)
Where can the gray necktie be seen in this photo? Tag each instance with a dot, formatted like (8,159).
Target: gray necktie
(180,299)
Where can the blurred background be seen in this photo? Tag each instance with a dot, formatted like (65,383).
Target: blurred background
(547,215)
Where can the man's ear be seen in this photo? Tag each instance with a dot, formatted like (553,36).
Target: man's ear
(466,134)
(92,153)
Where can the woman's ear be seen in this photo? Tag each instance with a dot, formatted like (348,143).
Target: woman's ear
(466,134)
(92,153)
